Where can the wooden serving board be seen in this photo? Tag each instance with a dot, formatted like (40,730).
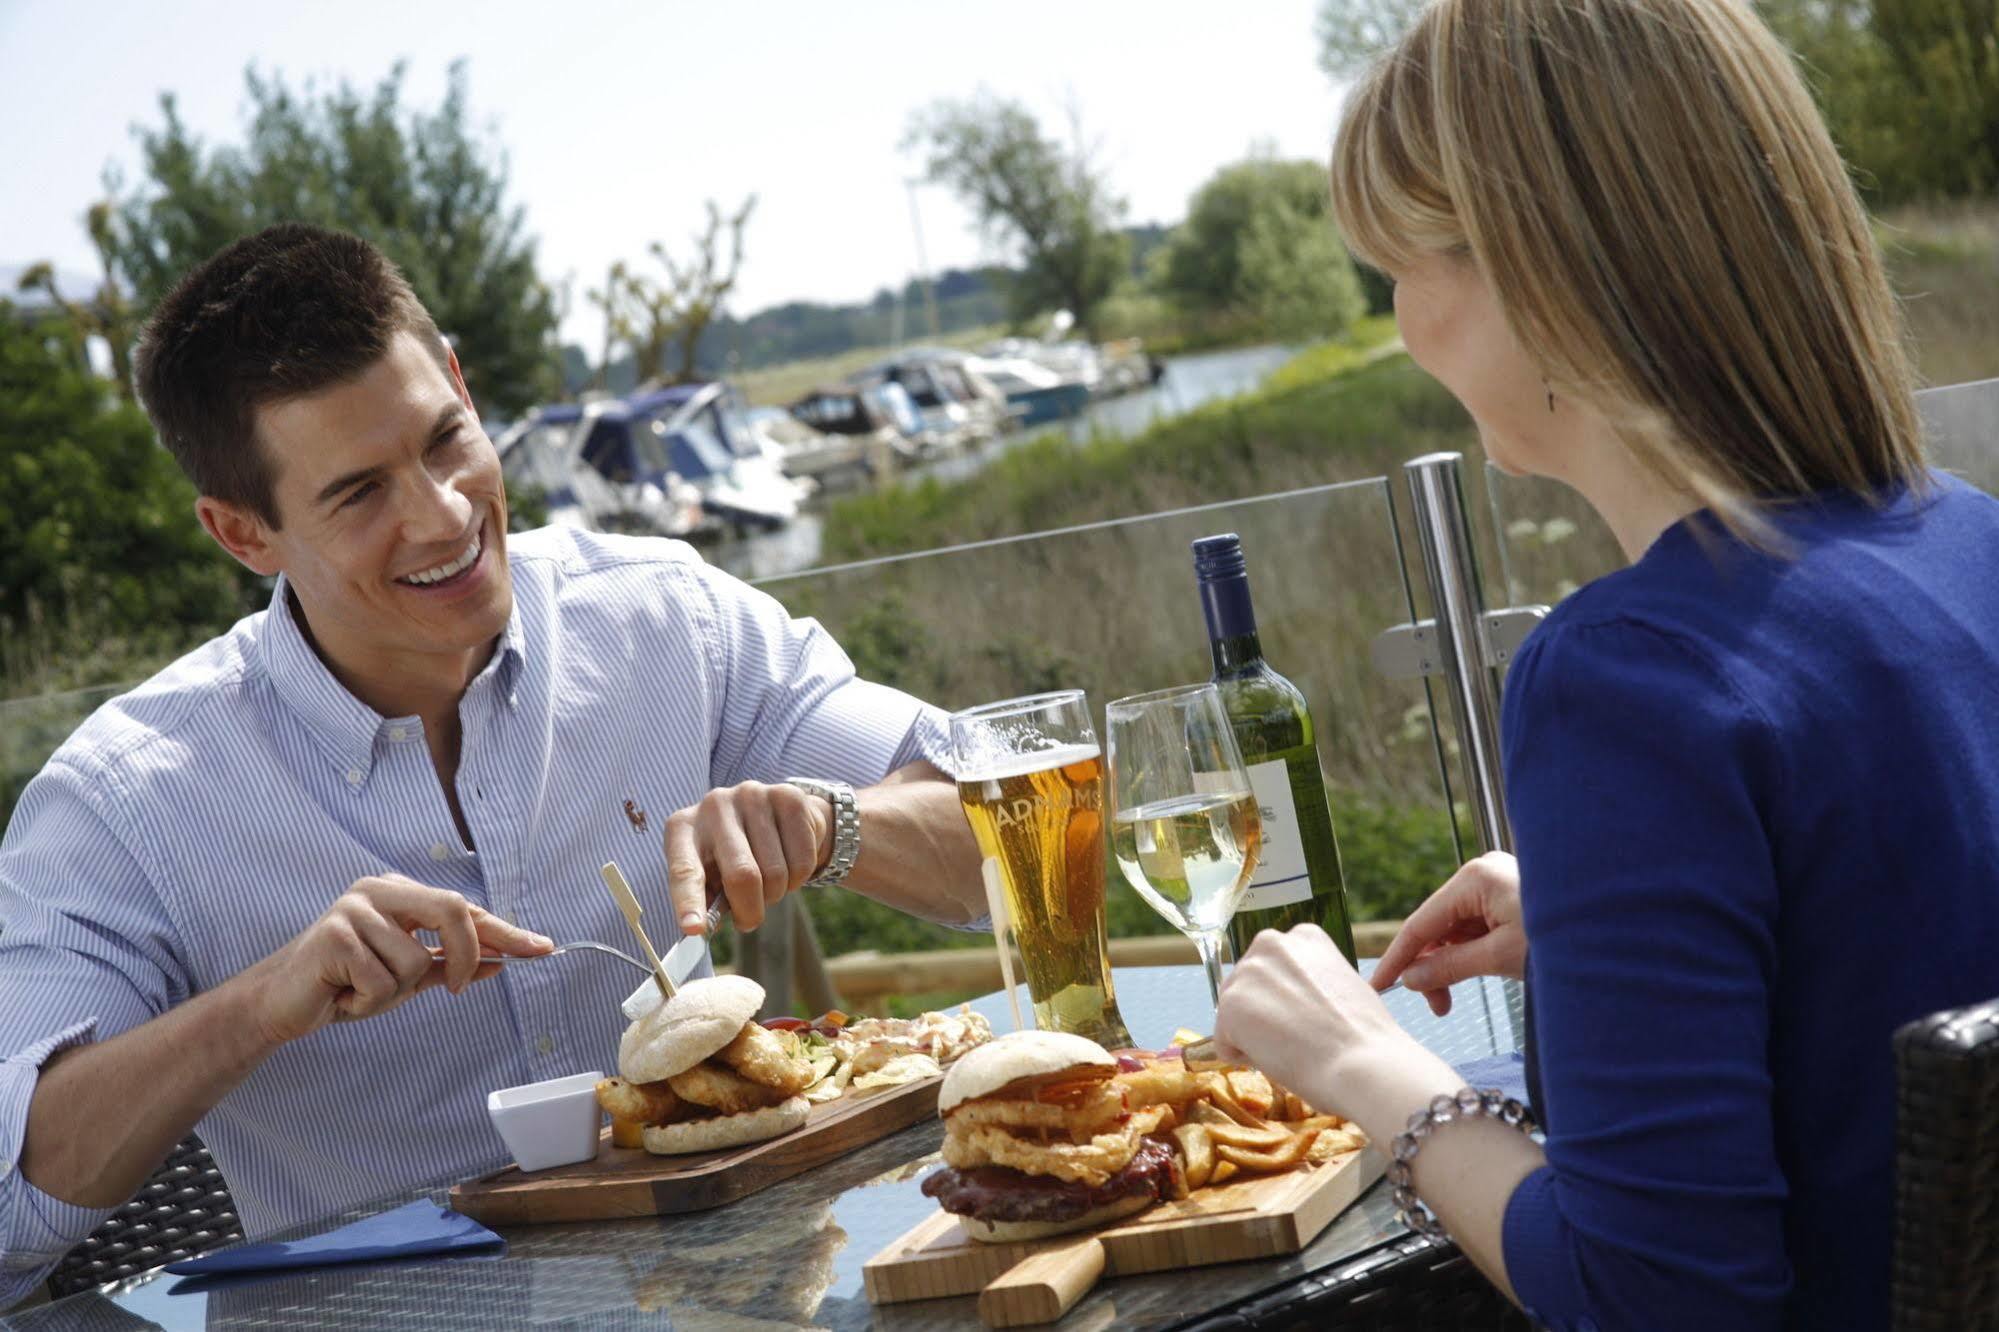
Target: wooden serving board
(630,1181)
(1248,1218)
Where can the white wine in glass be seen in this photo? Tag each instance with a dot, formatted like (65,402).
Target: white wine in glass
(1186,832)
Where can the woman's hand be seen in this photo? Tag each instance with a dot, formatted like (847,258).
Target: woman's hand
(1469,927)
(1296,1009)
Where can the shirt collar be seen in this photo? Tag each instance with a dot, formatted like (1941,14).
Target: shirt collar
(344,727)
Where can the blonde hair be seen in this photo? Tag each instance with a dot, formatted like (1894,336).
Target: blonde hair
(1667,226)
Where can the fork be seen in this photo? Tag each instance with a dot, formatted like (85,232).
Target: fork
(715,914)
(557,951)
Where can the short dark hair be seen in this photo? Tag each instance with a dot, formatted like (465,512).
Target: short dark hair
(286,312)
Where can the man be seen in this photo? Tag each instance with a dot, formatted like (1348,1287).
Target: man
(432,732)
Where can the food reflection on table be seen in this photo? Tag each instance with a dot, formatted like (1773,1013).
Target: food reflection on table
(774,1275)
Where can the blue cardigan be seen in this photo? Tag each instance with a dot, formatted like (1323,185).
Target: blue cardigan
(1756,806)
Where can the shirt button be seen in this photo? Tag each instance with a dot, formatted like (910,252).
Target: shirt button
(439,851)
(398,733)
(544,1044)
(353,776)
(5,1166)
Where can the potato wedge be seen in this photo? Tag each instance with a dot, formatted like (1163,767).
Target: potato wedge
(628,1133)
(1334,1142)
(1250,1139)
(1224,1172)
(1197,1150)
(1204,1112)
(1252,1091)
(1272,1161)
(1225,1101)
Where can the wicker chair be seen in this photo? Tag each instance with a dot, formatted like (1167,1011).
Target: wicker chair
(1409,1285)
(1946,1273)
(183,1209)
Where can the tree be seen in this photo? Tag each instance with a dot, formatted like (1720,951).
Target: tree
(1258,243)
(1033,195)
(1909,88)
(96,522)
(1352,32)
(107,314)
(652,317)
(421,185)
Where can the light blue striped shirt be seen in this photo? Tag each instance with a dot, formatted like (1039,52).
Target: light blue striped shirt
(194,825)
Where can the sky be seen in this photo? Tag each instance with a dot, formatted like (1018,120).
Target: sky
(618,120)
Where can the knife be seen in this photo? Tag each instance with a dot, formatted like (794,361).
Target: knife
(681,961)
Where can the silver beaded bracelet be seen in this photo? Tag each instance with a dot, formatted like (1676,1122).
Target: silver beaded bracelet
(1466,1104)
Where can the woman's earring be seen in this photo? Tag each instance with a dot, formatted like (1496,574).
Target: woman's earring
(1551,397)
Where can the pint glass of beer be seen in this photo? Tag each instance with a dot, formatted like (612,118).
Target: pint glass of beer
(1031,779)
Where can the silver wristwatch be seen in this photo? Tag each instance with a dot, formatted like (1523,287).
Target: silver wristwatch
(846,828)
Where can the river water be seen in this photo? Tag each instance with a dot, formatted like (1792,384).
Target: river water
(1188,382)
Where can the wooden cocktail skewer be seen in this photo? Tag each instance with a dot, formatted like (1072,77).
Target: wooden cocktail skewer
(621,893)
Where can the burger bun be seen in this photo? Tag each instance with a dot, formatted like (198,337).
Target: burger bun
(718,1131)
(703,1017)
(1016,1055)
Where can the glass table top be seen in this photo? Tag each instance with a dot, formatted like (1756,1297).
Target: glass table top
(788,1257)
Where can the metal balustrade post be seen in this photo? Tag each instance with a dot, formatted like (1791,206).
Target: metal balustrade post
(1450,566)
(1464,643)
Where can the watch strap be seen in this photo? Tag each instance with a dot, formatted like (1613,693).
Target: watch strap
(846,828)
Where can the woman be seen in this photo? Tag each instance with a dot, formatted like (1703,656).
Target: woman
(1754,776)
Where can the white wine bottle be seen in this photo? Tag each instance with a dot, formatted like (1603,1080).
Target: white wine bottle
(1298,876)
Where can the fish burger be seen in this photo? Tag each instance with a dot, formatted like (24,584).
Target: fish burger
(700,1073)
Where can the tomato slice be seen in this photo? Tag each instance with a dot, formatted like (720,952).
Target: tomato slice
(785,1023)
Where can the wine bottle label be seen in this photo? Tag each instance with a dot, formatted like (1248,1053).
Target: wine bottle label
(1281,877)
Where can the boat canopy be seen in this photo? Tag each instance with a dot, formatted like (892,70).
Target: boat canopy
(840,409)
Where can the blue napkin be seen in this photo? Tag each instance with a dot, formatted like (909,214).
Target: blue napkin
(417,1228)
(1504,1071)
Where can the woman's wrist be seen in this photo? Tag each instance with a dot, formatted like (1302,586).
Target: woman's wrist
(1382,1085)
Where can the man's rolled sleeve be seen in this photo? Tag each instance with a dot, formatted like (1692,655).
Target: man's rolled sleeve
(928,741)
(38,1229)
(791,704)
(794,707)
(86,952)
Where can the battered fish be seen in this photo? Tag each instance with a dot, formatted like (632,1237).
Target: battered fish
(722,1089)
(762,1057)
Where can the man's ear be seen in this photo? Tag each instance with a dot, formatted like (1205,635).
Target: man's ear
(458,381)
(241,532)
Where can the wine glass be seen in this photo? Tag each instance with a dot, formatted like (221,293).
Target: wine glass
(1186,831)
